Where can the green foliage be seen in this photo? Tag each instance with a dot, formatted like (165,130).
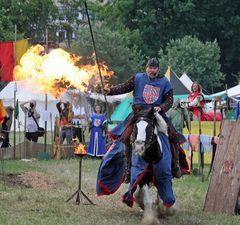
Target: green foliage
(112,48)
(199,60)
(31,17)
(6,26)
(69,15)
(157,22)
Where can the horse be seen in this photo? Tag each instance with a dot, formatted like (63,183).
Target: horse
(150,161)
(147,145)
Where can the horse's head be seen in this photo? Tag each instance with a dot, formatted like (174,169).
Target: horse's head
(145,139)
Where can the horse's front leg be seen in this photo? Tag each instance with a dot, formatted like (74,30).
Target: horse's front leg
(148,216)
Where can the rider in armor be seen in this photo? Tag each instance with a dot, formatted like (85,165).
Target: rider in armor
(150,89)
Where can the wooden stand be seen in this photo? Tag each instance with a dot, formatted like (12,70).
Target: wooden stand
(79,193)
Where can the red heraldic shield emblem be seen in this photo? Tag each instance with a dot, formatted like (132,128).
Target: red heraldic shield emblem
(150,94)
(97,122)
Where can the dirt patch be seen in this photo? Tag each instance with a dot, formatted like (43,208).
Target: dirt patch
(28,180)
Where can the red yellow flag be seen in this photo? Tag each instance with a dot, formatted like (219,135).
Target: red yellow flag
(21,48)
(6,61)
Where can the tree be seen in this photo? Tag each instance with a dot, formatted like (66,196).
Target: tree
(71,16)
(6,26)
(112,48)
(160,21)
(199,60)
(31,17)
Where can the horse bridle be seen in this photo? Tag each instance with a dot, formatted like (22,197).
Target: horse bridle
(151,139)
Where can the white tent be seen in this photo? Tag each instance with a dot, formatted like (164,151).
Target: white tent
(113,98)
(187,82)
(231,92)
(29,91)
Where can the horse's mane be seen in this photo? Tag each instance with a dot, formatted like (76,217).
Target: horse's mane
(149,114)
(145,113)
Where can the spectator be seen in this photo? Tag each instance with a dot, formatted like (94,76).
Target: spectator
(6,126)
(32,119)
(78,120)
(65,122)
(98,124)
(196,102)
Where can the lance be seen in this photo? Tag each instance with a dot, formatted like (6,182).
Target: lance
(96,56)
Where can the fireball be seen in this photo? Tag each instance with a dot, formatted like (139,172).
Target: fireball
(57,71)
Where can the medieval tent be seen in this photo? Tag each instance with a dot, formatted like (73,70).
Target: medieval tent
(186,81)
(178,86)
(27,92)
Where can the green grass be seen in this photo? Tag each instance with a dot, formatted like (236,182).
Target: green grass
(57,180)
(31,206)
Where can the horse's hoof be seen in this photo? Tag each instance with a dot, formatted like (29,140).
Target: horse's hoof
(163,211)
(150,220)
(139,200)
(171,211)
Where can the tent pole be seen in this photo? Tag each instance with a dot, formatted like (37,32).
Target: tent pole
(14,98)
(46,100)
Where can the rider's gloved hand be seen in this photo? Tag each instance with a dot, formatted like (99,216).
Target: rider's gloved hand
(106,90)
(157,109)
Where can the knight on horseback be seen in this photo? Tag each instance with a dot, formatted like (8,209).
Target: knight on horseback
(150,89)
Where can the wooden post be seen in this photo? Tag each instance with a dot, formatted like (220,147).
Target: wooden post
(46,99)
(56,146)
(214,146)
(224,185)
(190,152)
(14,97)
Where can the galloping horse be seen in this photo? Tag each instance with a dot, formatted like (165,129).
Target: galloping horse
(150,164)
(149,138)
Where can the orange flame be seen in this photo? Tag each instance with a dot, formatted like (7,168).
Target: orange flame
(80,150)
(57,71)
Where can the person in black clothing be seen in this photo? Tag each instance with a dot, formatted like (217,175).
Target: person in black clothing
(6,125)
(31,125)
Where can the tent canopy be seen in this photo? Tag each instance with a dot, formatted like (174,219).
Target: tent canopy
(187,82)
(178,86)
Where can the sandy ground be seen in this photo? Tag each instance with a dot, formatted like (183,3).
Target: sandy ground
(29,180)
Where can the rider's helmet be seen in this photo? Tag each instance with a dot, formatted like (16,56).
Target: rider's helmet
(153,62)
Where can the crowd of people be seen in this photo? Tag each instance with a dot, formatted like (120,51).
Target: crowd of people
(73,122)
